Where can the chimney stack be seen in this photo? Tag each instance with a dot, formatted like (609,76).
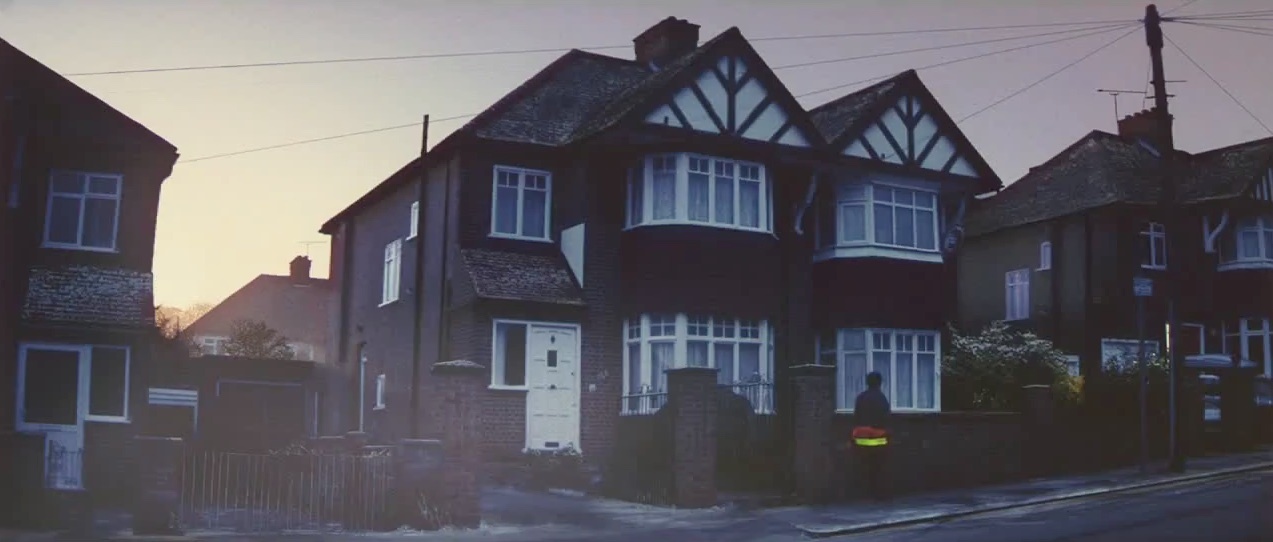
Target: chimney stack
(300,268)
(1147,125)
(665,42)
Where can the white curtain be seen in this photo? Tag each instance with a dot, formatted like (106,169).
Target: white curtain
(534,205)
(506,209)
(660,359)
(749,203)
(699,197)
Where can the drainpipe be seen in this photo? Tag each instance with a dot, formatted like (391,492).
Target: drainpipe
(1054,238)
(417,287)
(444,297)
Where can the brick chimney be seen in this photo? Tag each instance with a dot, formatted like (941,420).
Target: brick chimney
(300,268)
(666,41)
(1145,125)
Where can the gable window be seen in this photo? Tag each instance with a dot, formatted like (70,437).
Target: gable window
(858,215)
(740,350)
(392,277)
(1045,256)
(907,359)
(1249,244)
(520,203)
(415,220)
(1017,294)
(700,190)
(83,211)
(508,367)
(214,346)
(1154,237)
(380,392)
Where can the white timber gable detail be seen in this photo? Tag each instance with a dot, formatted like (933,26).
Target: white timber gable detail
(1263,188)
(907,134)
(727,98)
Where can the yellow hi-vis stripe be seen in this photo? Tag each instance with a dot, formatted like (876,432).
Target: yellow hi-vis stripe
(882,441)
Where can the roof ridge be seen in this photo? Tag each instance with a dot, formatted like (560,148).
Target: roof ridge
(882,82)
(1226,148)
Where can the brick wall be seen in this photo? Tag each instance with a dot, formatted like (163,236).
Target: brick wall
(602,356)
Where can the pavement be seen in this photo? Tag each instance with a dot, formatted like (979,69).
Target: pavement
(518,516)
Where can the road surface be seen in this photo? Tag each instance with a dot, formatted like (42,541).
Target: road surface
(1229,509)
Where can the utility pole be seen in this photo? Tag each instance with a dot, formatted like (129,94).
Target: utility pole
(1169,209)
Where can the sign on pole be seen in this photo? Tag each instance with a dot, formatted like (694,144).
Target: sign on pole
(1143,287)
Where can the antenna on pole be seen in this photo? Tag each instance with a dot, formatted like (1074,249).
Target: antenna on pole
(306,244)
(1114,93)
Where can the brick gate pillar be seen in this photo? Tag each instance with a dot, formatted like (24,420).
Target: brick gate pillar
(1038,422)
(157,505)
(812,415)
(691,391)
(460,385)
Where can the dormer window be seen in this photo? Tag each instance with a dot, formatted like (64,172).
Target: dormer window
(699,190)
(878,219)
(520,203)
(1249,244)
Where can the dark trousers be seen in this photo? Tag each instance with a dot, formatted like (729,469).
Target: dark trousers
(873,470)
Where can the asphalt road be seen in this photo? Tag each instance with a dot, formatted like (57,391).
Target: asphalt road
(1230,509)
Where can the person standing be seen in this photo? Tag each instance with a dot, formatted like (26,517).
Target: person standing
(871,421)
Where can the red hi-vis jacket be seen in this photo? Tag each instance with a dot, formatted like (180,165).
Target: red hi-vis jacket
(865,435)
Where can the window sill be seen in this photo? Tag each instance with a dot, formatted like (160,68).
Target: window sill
(107,419)
(59,246)
(496,387)
(678,222)
(378,407)
(1245,264)
(1043,269)
(386,303)
(877,251)
(1154,267)
(510,236)
(897,411)
(410,237)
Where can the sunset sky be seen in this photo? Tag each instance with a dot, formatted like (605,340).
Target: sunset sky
(223,221)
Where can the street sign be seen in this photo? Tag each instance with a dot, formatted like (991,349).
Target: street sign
(1144,287)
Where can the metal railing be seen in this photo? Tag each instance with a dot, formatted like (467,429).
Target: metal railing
(648,401)
(760,394)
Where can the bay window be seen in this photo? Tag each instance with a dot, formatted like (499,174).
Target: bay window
(896,218)
(1250,338)
(700,190)
(909,361)
(1250,243)
(741,350)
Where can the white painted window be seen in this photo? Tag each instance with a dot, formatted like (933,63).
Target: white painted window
(380,393)
(302,351)
(741,350)
(858,215)
(1250,243)
(1045,256)
(83,211)
(1251,338)
(909,361)
(521,203)
(212,346)
(58,382)
(1016,294)
(699,190)
(1125,352)
(415,220)
(392,278)
(508,360)
(1154,237)
(1072,365)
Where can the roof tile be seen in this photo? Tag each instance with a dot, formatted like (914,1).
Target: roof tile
(90,295)
(519,276)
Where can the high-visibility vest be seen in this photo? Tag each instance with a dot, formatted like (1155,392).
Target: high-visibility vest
(865,435)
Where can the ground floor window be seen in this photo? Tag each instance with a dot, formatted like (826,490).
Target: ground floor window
(909,361)
(1250,338)
(740,349)
(58,382)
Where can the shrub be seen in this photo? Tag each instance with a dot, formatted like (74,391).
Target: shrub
(986,371)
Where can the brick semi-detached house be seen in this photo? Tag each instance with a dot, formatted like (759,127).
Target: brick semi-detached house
(611,218)
(77,235)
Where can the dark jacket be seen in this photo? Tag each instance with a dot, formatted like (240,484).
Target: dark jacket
(872,409)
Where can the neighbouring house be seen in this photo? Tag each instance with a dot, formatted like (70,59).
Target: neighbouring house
(1057,251)
(295,305)
(612,218)
(82,191)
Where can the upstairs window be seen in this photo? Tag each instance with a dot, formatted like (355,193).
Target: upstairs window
(1250,242)
(700,190)
(380,392)
(392,277)
(1017,295)
(1154,245)
(83,211)
(864,214)
(414,228)
(520,206)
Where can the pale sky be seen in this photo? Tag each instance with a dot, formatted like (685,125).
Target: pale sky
(224,221)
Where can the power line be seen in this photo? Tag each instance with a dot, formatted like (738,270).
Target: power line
(1180,7)
(1218,84)
(942,47)
(1253,30)
(1046,77)
(962,59)
(562,50)
(320,139)
(1228,15)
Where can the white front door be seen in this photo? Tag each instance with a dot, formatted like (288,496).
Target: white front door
(552,401)
(52,399)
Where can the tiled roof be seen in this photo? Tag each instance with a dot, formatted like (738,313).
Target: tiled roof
(515,276)
(296,308)
(1102,168)
(90,295)
(838,116)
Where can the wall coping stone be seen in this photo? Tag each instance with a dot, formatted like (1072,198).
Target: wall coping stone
(811,369)
(458,366)
(691,370)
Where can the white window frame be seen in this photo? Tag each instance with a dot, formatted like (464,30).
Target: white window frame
(1128,348)
(302,351)
(414,228)
(212,345)
(1231,254)
(1202,335)
(639,207)
(1073,365)
(1245,330)
(84,384)
(86,178)
(522,188)
(498,358)
(1045,256)
(1155,238)
(380,392)
(675,328)
(865,195)
(391,278)
(835,350)
(1016,295)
